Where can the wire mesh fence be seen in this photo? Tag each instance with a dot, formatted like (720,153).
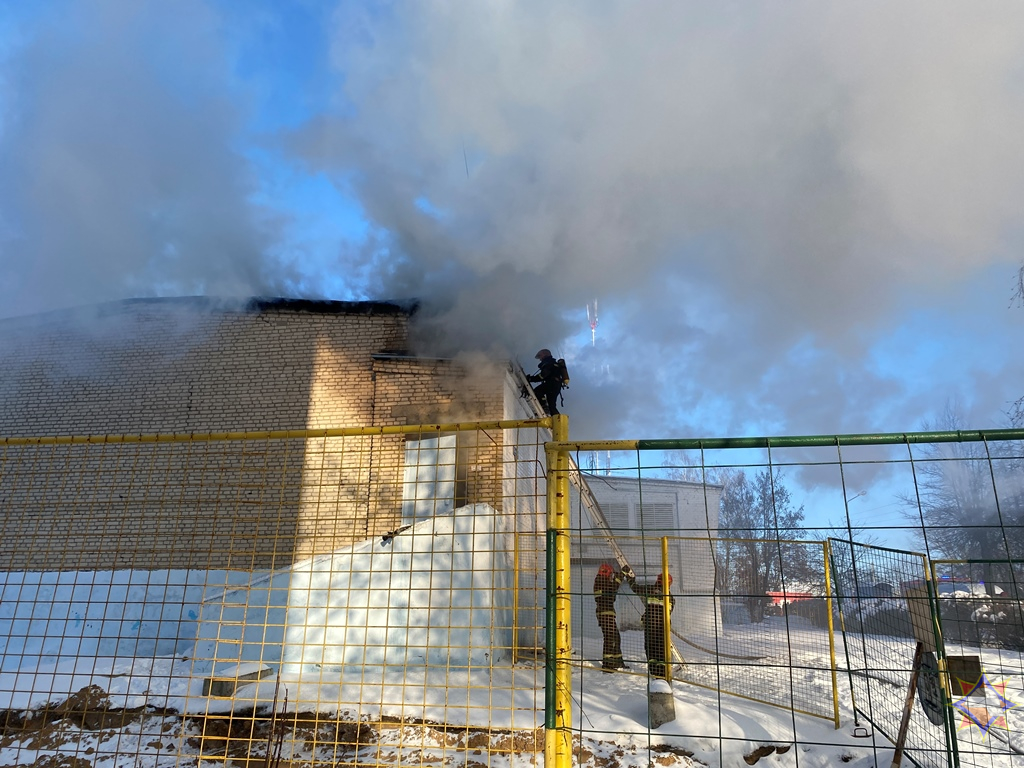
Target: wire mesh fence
(358,596)
(878,626)
(979,611)
(774,619)
(725,636)
(427,596)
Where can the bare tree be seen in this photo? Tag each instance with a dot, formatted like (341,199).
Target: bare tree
(1016,414)
(687,467)
(760,519)
(969,500)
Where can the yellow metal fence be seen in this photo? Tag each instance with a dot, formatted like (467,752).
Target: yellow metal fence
(352,596)
(424,595)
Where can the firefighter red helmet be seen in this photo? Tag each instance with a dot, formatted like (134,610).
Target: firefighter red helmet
(658,580)
(605,570)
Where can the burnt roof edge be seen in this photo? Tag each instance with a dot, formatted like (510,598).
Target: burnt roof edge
(330,307)
(253,304)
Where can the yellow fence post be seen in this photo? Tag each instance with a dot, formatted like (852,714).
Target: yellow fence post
(666,610)
(515,598)
(558,708)
(827,557)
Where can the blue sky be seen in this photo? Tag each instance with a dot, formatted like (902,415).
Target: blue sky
(795,219)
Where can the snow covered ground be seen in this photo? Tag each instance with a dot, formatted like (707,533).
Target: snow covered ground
(610,718)
(95,669)
(610,714)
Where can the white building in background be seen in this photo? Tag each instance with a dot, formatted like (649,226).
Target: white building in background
(640,514)
(675,507)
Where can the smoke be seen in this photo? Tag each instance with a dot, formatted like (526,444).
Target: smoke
(117,172)
(758,195)
(757,192)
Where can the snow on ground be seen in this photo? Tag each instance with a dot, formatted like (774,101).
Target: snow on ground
(609,714)
(609,718)
(123,681)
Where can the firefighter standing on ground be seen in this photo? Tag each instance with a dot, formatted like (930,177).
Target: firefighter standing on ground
(606,587)
(654,596)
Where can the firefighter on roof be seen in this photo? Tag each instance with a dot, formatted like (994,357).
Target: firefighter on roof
(550,377)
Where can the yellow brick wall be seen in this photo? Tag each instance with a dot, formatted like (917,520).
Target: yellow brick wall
(196,366)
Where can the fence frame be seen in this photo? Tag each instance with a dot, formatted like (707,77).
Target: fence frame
(100,442)
(559,451)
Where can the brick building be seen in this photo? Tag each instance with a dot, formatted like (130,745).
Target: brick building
(157,368)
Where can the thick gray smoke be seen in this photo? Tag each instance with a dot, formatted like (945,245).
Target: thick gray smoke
(754,191)
(117,173)
(758,195)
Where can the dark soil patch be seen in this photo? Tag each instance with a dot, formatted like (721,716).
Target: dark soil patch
(247,737)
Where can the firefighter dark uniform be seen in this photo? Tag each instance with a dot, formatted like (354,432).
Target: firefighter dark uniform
(654,596)
(550,382)
(606,587)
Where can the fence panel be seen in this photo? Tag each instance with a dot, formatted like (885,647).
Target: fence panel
(338,596)
(880,638)
(398,594)
(979,611)
(746,523)
(726,637)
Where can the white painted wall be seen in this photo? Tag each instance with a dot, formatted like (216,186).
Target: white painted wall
(48,617)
